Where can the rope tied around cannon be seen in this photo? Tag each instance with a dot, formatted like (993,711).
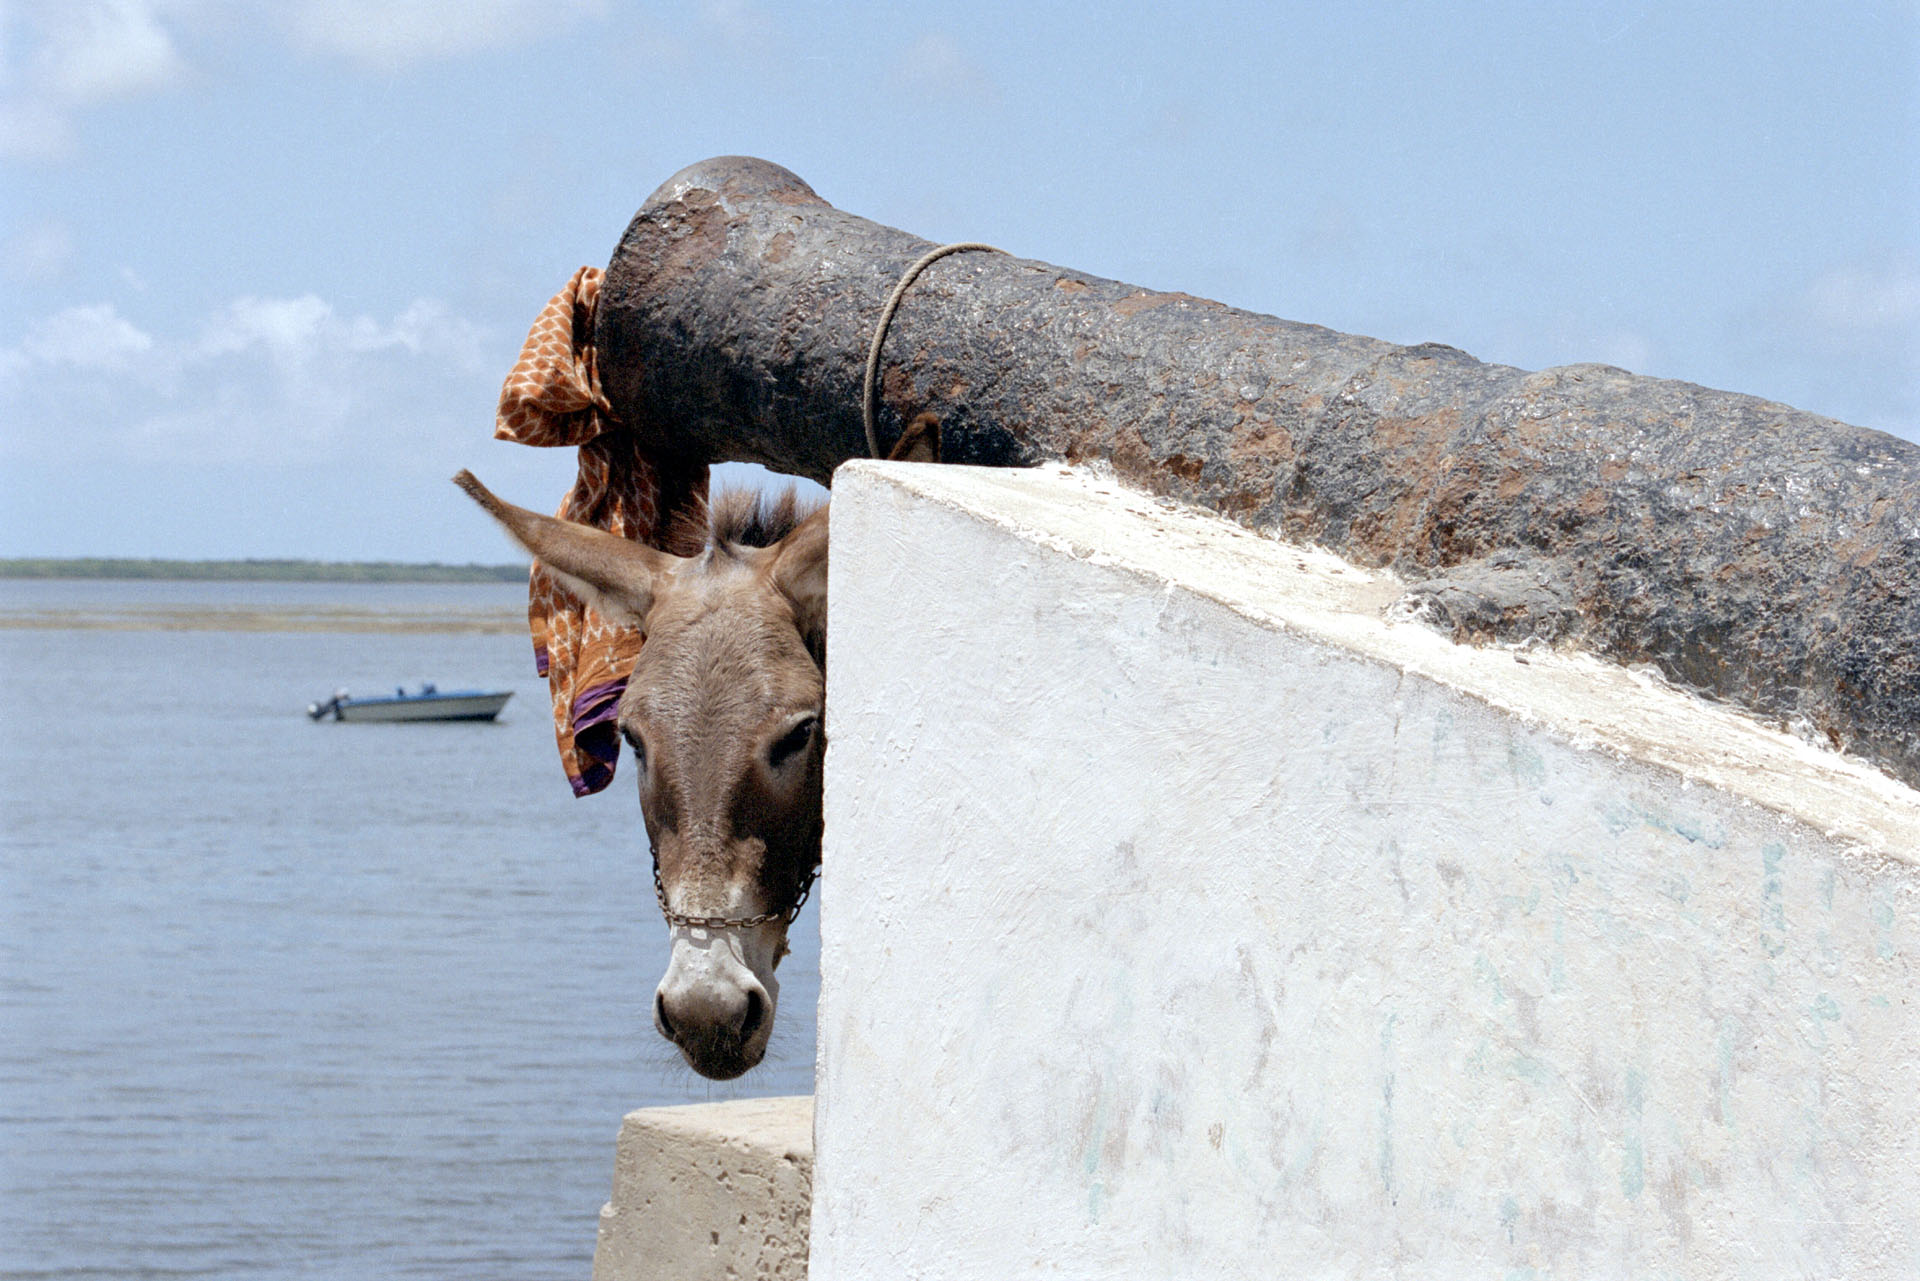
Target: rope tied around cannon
(870,389)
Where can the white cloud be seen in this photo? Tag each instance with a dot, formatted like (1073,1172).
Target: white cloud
(280,380)
(85,53)
(106,50)
(96,338)
(936,66)
(1864,296)
(288,329)
(300,330)
(745,26)
(390,34)
(425,324)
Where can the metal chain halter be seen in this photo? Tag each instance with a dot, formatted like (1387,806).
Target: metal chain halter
(728,922)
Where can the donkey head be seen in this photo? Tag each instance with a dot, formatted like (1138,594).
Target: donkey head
(723,711)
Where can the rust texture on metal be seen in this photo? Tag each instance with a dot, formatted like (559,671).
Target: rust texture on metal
(1750,551)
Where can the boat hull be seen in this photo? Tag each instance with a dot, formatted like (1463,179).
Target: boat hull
(432,707)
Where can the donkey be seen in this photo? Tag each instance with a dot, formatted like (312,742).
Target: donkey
(724,713)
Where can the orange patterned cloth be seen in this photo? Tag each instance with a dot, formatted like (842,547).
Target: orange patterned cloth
(553,397)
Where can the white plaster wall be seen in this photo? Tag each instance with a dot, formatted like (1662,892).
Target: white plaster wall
(1185,915)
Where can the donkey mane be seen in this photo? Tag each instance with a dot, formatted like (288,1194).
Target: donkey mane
(743,518)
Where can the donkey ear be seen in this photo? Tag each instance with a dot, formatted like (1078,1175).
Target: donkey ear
(613,574)
(800,574)
(920,442)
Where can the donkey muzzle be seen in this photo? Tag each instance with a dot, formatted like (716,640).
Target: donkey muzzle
(715,1003)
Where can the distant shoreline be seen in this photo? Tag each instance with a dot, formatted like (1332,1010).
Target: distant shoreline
(263,571)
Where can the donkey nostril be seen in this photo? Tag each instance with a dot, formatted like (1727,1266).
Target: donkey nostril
(756,1011)
(660,1018)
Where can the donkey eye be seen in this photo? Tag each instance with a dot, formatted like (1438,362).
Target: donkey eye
(792,742)
(639,748)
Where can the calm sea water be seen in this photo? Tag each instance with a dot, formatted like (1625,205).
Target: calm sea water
(285,999)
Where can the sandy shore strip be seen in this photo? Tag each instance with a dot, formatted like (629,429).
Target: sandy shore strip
(242,618)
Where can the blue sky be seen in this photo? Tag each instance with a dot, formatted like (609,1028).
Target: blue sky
(263,265)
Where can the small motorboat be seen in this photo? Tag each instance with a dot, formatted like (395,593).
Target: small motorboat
(428,704)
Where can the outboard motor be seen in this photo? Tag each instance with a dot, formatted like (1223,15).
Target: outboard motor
(320,711)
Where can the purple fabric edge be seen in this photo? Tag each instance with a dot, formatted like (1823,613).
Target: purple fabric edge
(593,779)
(596,740)
(596,706)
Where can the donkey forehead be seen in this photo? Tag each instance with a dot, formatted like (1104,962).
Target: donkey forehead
(727,649)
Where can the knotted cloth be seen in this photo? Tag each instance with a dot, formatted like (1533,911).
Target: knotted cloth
(551,398)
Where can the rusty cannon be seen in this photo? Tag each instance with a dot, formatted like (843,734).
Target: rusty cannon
(1751,552)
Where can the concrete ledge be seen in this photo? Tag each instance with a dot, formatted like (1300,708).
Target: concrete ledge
(710,1190)
(1193,911)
